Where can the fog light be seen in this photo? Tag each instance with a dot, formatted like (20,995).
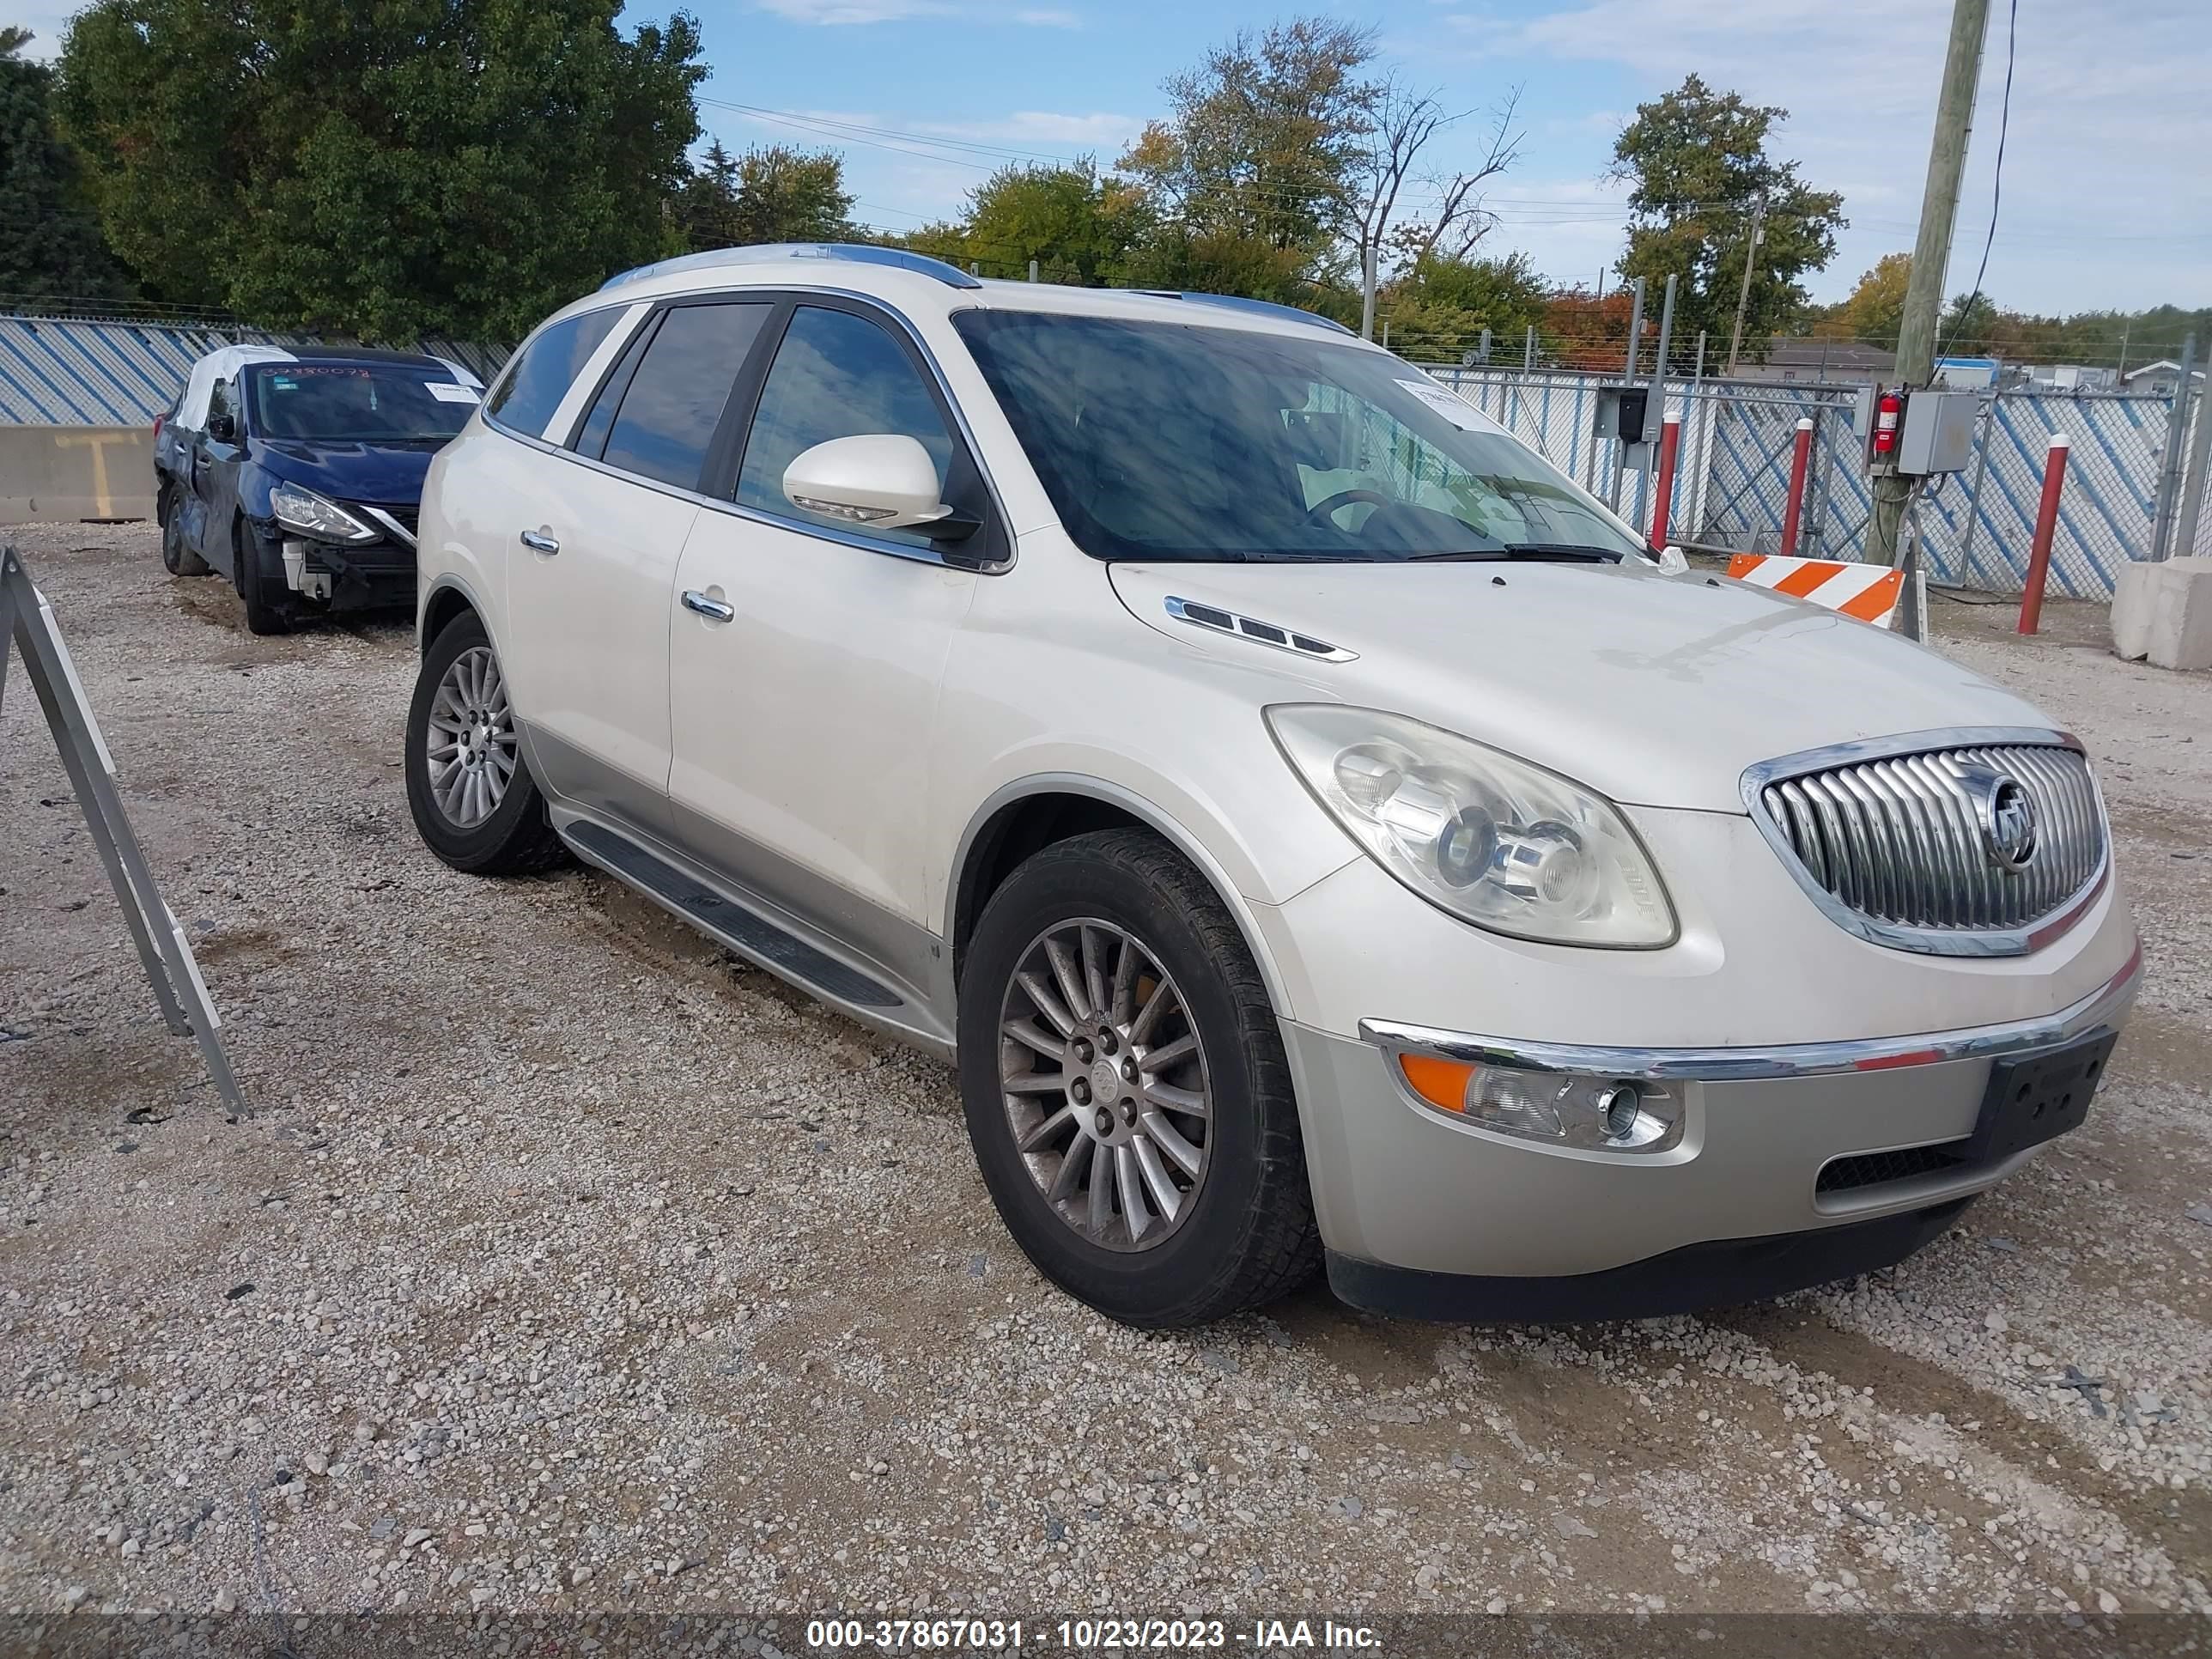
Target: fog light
(1564,1109)
(1619,1105)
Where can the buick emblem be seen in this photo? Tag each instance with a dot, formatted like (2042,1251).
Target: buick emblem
(2009,824)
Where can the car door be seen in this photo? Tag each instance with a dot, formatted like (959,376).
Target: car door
(592,558)
(807,654)
(218,449)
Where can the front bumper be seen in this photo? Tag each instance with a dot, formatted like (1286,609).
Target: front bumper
(357,576)
(1402,1190)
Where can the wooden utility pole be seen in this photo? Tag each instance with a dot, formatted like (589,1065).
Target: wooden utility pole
(1931,251)
(1743,294)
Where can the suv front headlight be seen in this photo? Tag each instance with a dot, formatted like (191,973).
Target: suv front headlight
(1493,840)
(311,515)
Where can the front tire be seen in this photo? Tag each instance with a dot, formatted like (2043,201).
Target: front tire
(176,558)
(1126,1088)
(474,802)
(265,612)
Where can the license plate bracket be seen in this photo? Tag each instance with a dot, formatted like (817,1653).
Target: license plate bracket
(2035,1097)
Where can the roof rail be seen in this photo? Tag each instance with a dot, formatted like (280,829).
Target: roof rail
(854,253)
(1261,308)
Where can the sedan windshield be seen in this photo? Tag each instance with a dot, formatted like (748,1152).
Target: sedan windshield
(1166,440)
(358,402)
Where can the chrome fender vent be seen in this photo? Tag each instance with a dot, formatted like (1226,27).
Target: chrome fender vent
(1215,620)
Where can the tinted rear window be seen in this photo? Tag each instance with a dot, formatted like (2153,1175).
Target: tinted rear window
(675,402)
(542,373)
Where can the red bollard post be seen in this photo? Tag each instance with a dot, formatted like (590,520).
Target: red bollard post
(2046,525)
(1670,442)
(1800,463)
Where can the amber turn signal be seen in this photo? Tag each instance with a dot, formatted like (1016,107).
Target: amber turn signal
(1440,1082)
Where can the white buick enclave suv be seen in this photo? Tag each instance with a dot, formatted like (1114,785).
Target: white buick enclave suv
(1320,831)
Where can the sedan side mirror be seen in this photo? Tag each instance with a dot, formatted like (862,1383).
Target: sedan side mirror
(875,480)
(223,429)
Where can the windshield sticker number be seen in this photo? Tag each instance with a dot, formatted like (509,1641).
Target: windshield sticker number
(1452,407)
(447,392)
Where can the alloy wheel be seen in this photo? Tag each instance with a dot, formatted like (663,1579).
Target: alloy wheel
(470,740)
(1103,1075)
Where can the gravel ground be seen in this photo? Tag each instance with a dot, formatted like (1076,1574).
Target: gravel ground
(567,1264)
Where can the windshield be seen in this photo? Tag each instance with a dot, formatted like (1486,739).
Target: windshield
(1168,441)
(359,403)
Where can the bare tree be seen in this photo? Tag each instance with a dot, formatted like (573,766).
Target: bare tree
(1399,123)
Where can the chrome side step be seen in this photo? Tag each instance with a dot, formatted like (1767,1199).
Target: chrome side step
(752,936)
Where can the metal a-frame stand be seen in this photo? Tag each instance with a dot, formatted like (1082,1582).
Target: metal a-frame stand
(26,617)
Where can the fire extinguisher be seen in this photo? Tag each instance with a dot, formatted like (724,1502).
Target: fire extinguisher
(1888,408)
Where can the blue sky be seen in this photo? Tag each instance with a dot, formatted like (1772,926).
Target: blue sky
(2107,195)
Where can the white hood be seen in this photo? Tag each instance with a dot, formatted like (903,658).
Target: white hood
(1654,690)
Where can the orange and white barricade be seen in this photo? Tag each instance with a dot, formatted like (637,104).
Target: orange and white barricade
(1868,591)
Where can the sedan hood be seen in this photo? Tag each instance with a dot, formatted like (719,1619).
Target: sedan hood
(1654,690)
(388,475)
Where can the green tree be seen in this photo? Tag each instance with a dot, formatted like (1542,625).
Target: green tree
(1228,262)
(1438,309)
(708,205)
(51,248)
(1698,165)
(1079,227)
(1877,307)
(769,194)
(439,167)
(1259,146)
(1971,325)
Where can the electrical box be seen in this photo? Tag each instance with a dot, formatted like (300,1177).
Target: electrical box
(1862,415)
(1621,411)
(1937,433)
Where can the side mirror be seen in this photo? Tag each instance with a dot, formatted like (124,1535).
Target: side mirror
(223,429)
(875,480)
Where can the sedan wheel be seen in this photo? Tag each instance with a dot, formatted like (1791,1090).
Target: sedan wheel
(1105,1081)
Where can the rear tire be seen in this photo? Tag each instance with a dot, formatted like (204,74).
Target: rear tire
(476,831)
(176,558)
(1226,1211)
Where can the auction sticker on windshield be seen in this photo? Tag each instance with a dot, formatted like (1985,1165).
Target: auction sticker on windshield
(447,392)
(1450,404)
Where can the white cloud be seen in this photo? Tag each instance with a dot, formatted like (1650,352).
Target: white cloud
(983,144)
(1098,131)
(836,13)
(2106,200)
(833,13)
(908,169)
(47,23)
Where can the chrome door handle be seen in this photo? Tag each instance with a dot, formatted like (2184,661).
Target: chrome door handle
(538,543)
(712,610)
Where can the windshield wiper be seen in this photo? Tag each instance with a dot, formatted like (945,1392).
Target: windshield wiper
(1571,552)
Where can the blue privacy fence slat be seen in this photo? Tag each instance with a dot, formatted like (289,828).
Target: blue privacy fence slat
(67,371)
(2069,526)
(1734,471)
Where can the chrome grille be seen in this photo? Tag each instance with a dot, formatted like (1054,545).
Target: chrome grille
(1900,841)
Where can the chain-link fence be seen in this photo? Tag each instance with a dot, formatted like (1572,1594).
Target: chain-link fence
(1732,487)
(101,371)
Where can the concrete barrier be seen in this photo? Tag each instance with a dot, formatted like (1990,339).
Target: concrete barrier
(65,473)
(2164,612)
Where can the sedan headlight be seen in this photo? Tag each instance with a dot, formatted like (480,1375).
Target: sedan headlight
(1495,840)
(311,515)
